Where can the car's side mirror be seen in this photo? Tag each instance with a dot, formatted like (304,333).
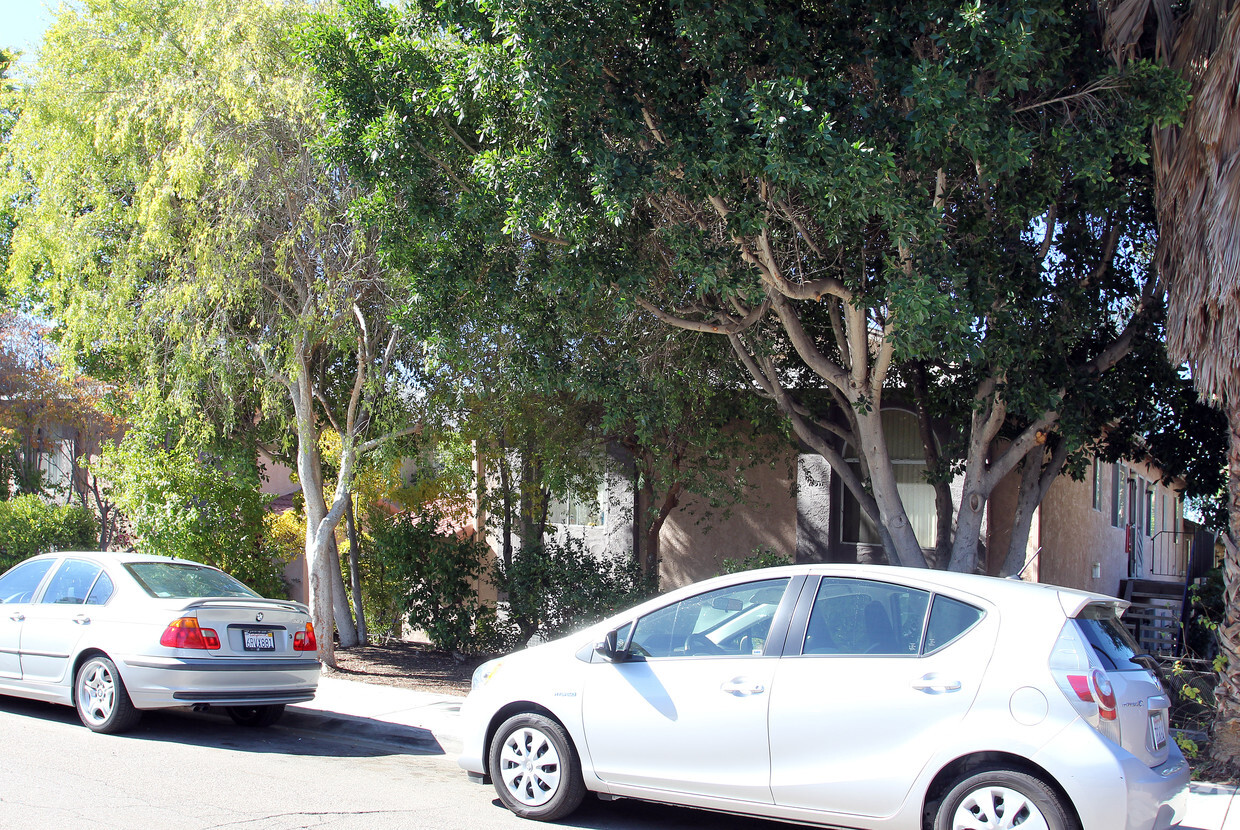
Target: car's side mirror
(609,649)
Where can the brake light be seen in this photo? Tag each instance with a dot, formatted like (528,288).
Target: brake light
(185,633)
(304,640)
(1106,694)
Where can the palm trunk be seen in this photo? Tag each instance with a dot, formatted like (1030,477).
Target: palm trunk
(1225,746)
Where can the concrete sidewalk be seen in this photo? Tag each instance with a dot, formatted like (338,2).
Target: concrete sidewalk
(426,724)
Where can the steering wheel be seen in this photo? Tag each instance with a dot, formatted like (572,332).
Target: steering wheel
(697,644)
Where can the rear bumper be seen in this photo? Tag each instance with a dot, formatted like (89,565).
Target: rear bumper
(1110,788)
(165,682)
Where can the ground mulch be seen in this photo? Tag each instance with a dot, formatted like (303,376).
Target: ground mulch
(408,665)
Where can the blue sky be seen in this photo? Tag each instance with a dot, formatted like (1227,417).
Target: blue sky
(22,23)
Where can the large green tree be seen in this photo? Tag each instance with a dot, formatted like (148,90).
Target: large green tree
(188,238)
(945,204)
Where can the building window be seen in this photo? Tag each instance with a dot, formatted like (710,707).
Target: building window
(1097,483)
(1150,521)
(908,461)
(573,509)
(1119,495)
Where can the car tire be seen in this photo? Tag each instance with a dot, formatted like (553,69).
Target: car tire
(1003,799)
(102,702)
(535,768)
(256,716)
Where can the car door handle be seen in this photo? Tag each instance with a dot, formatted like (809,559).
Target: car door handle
(741,687)
(82,619)
(17,616)
(932,684)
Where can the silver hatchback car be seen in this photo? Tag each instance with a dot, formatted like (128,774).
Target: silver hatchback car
(116,633)
(845,696)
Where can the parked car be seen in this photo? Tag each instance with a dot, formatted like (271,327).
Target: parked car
(117,633)
(847,696)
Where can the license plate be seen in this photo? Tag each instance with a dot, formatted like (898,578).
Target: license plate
(1159,729)
(260,641)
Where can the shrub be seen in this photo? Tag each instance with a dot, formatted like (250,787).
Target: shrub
(556,588)
(30,526)
(762,557)
(181,504)
(434,575)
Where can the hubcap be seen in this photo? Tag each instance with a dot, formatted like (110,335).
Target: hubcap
(97,693)
(998,808)
(530,767)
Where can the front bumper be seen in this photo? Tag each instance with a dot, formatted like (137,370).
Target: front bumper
(167,682)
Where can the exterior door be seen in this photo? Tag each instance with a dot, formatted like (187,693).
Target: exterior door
(17,589)
(859,713)
(57,622)
(689,713)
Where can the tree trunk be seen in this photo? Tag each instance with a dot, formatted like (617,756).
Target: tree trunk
(671,500)
(904,548)
(1036,480)
(345,626)
(1225,745)
(355,572)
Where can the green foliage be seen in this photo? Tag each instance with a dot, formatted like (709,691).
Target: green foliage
(558,587)
(762,557)
(30,526)
(940,181)
(1208,604)
(434,574)
(194,507)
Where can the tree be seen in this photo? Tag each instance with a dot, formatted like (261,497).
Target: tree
(1197,178)
(206,509)
(46,410)
(187,235)
(945,204)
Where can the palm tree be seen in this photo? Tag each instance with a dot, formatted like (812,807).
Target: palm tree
(1197,191)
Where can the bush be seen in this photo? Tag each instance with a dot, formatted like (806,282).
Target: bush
(434,575)
(762,557)
(183,505)
(556,588)
(30,526)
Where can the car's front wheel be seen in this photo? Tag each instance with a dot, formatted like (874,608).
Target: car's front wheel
(535,768)
(257,716)
(1003,799)
(102,702)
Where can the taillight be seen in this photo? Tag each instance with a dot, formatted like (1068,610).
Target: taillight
(185,633)
(304,640)
(1106,694)
(1086,686)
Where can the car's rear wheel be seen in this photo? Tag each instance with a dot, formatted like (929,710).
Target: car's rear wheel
(256,716)
(1003,799)
(102,702)
(535,768)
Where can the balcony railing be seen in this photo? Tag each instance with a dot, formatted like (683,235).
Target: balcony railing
(1170,552)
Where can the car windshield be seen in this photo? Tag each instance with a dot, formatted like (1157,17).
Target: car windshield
(180,580)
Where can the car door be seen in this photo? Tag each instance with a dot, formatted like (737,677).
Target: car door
(17,589)
(687,713)
(57,621)
(882,677)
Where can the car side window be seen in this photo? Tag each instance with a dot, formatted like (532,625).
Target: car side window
(71,583)
(102,591)
(860,616)
(19,584)
(949,619)
(731,621)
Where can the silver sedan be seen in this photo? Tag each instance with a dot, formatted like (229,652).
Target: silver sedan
(116,633)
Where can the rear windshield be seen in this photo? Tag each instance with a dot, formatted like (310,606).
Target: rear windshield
(1111,641)
(180,580)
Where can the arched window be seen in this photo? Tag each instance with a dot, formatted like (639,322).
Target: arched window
(908,461)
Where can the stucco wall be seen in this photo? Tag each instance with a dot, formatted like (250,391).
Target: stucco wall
(1076,536)
(696,538)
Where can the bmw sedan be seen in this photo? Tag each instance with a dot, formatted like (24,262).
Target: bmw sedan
(842,696)
(116,633)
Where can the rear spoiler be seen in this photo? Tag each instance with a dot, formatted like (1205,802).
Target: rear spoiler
(241,602)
